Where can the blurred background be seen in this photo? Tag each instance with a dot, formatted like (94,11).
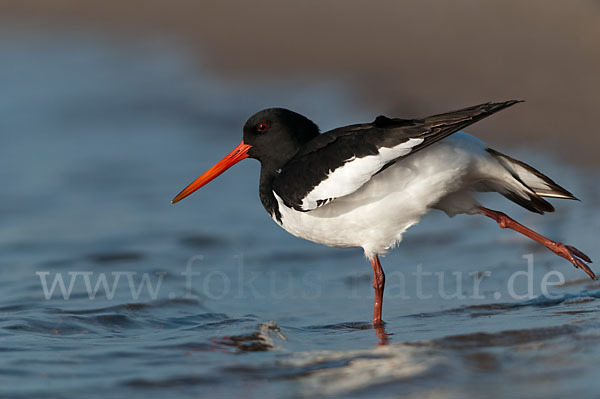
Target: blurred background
(402,58)
(109,108)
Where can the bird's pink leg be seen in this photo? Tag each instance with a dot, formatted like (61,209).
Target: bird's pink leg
(572,254)
(378,285)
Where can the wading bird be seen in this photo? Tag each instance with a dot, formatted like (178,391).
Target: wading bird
(363,185)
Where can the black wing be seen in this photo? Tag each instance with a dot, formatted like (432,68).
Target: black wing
(339,162)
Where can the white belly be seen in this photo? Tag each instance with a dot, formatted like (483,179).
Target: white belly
(376,215)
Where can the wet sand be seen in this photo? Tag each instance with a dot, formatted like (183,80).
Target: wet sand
(401,58)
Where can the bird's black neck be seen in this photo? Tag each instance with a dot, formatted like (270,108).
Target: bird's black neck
(267,175)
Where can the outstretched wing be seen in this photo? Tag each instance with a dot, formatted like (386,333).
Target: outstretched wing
(339,162)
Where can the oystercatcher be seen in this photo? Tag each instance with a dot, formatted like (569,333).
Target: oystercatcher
(363,185)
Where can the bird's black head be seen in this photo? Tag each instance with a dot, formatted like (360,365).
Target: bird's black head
(272,136)
(276,134)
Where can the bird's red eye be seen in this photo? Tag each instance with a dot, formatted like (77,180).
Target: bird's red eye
(262,127)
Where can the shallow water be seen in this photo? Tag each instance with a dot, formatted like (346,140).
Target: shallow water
(99,134)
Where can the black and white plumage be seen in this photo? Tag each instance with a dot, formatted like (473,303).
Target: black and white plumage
(364,185)
(344,159)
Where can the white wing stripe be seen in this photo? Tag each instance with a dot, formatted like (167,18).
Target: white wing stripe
(354,173)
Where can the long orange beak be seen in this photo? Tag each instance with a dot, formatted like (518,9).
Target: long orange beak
(240,152)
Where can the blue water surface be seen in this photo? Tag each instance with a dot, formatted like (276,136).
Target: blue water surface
(209,296)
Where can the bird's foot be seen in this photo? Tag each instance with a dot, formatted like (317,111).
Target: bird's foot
(575,256)
(570,253)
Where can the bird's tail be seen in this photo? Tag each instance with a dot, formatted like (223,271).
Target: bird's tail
(529,185)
